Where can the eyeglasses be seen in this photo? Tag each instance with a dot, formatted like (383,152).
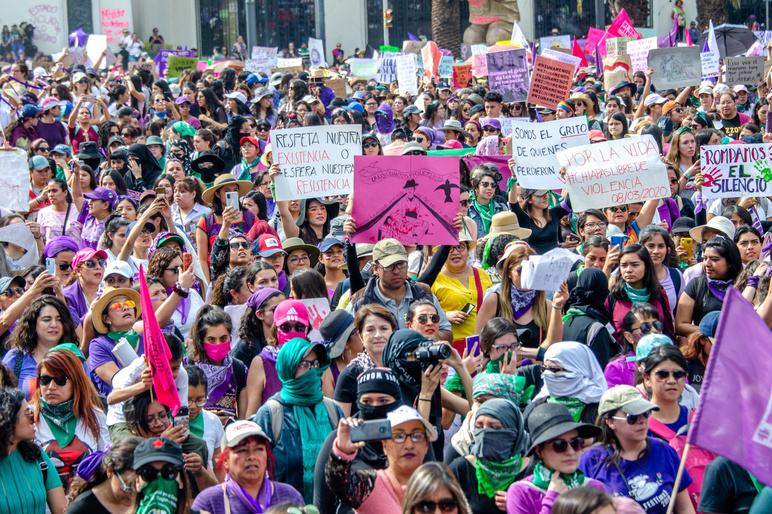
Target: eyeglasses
(149,474)
(163,419)
(464,203)
(369,145)
(632,419)
(13,290)
(488,184)
(292,327)
(593,226)
(394,267)
(416,437)
(95,263)
(415,152)
(45,380)
(664,374)
(622,208)
(240,244)
(514,347)
(552,369)
(296,259)
(309,364)
(646,327)
(117,306)
(561,445)
(445,505)
(674,180)
(127,489)
(461,247)
(424,318)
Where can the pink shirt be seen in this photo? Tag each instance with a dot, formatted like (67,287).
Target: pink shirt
(383,497)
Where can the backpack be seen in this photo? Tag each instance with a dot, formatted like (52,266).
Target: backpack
(277,415)
(696,460)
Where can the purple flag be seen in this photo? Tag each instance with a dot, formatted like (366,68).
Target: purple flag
(734,416)
(598,62)
(412,37)
(671,39)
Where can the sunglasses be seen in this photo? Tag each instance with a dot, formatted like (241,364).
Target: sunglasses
(561,445)
(445,505)
(45,380)
(632,419)
(416,152)
(646,327)
(664,374)
(65,266)
(369,145)
(623,208)
(240,244)
(488,184)
(117,306)
(491,129)
(149,474)
(464,203)
(424,318)
(292,327)
(94,263)
(13,290)
(420,139)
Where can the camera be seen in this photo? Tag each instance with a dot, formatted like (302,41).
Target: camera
(429,353)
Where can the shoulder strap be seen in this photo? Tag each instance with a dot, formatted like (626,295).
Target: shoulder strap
(17,364)
(593,331)
(239,369)
(676,278)
(332,412)
(66,217)
(43,468)
(619,469)
(659,428)
(277,418)
(226,501)
(478,285)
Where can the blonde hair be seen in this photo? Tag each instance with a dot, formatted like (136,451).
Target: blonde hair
(517,256)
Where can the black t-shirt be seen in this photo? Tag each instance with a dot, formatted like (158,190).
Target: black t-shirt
(467,478)
(696,371)
(542,239)
(732,127)
(693,290)
(346,387)
(87,503)
(726,488)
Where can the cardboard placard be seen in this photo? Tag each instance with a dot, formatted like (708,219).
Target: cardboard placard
(406,74)
(550,82)
(480,65)
(736,170)
(412,47)
(387,70)
(177,65)
(508,74)
(675,67)
(744,70)
(616,46)
(446,67)
(461,75)
(615,70)
(338,87)
(134,66)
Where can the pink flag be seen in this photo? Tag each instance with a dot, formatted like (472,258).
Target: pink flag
(623,27)
(577,52)
(157,351)
(734,416)
(593,37)
(431,56)
(688,38)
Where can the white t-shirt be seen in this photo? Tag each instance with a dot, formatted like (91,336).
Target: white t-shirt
(44,436)
(196,302)
(764,208)
(213,432)
(669,287)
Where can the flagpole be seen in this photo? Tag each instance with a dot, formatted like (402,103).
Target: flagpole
(678,477)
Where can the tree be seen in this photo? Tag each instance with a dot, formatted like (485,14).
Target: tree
(637,10)
(446,24)
(713,10)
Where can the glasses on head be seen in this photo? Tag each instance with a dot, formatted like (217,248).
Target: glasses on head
(664,374)
(127,489)
(45,380)
(95,263)
(444,504)
(423,319)
(561,445)
(511,347)
(632,419)
(464,203)
(302,258)
(200,402)
(117,306)
(163,419)
(593,226)
(13,290)
(397,266)
(149,474)
(622,208)
(552,369)
(309,364)
(292,327)
(416,437)
(369,145)
(646,327)
(240,244)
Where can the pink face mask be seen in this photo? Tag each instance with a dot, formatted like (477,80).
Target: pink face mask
(283,337)
(217,352)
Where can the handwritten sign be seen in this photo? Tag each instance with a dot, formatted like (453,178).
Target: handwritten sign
(315,161)
(338,86)
(112,22)
(446,67)
(178,64)
(562,57)
(709,62)
(508,74)
(295,62)
(263,60)
(555,42)
(162,59)
(548,272)
(639,52)
(461,75)
(744,70)
(479,49)
(480,65)
(537,146)
(364,68)
(616,46)
(406,74)
(409,198)
(387,70)
(14,180)
(550,82)
(135,66)
(736,170)
(412,47)
(615,70)
(675,67)
(614,173)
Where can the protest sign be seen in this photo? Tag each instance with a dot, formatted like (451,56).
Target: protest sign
(736,170)
(263,60)
(547,272)
(412,47)
(392,49)
(14,180)
(508,74)
(315,161)
(615,70)
(764,37)
(410,198)
(387,70)
(461,75)
(709,63)
(507,122)
(364,68)
(555,42)
(318,309)
(675,67)
(268,51)
(480,65)
(162,59)
(537,146)
(316,53)
(562,57)
(406,74)
(177,65)
(135,66)
(744,70)
(466,51)
(550,82)
(479,49)
(614,173)
(295,62)
(431,56)
(446,67)
(338,87)
(112,21)
(623,27)
(616,46)
(639,52)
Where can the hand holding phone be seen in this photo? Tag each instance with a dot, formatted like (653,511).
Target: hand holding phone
(187,260)
(51,265)
(232,199)
(371,430)
(473,342)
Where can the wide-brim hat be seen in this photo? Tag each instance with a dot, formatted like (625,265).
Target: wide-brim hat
(581,97)
(550,420)
(245,186)
(89,150)
(295,243)
(506,222)
(107,296)
(454,125)
(465,236)
(718,223)
(266,153)
(336,328)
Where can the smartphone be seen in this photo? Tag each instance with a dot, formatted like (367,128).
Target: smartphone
(160,191)
(470,343)
(372,430)
(51,265)
(687,243)
(182,418)
(468,308)
(618,240)
(232,199)
(187,260)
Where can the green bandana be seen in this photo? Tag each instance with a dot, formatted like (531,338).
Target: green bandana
(61,419)
(159,497)
(496,476)
(637,295)
(197,425)
(574,406)
(486,213)
(245,173)
(542,476)
(131,336)
(573,311)
(494,366)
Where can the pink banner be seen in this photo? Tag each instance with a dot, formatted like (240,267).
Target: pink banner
(593,36)
(411,198)
(623,27)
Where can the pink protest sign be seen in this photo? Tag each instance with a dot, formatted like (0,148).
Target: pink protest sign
(431,56)
(623,27)
(411,198)
(480,65)
(112,23)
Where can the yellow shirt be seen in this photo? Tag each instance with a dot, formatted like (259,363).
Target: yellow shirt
(453,296)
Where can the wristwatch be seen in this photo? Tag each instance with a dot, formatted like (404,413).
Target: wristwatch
(180,290)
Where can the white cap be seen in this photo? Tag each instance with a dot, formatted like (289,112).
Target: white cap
(706,90)
(654,98)
(79,76)
(121,268)
(240,430)
(237,96)
(403,414)
(720,88)
(39,72)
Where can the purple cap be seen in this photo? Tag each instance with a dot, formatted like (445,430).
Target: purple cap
(59,244)
(492,122)
(103,193)
(261,295)
(182,99)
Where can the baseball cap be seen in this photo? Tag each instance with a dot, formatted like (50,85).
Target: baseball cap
(290,310)
(6,282)
(30,111)
(121,268)
(86,254)
(154,140)
(666,125)
(268,245)
(526,193)
(682,225)
(492,122)
(654,98)
(240,430)
(62,149)
(597,136)
(410,109)
(38,162)
(624,397)
(157,449)
(237,96)
(452,144)
(328,242)
(103,193)
(669,106)
(50,103)
(182,99)
(251,79)
(404,414)
(709,324)
(705,90)
(389,251)
(740,87)
(647,343)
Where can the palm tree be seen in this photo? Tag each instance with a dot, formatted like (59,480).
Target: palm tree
(446,24)
(637,10)
(713,10)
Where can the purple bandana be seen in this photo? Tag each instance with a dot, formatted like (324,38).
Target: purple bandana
(719,287)
(256,506)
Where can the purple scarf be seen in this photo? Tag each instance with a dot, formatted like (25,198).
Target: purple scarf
(282,280)
(183,307)
(270,353)
(256,506)
(521,301)
(219,378)
(718,287)
(386,124)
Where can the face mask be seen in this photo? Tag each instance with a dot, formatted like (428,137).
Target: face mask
(217,352)
(561,385)
(376,411)
(283,337)
(159,497)
(494,444)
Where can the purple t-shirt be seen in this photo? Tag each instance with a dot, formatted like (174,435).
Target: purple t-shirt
(92,231)
(99,353)
(525,498)
(620,372)
(54,133)
(211,499)
(76,302)
(649,480)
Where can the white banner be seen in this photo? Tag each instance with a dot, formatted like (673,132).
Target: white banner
(710,65)
(536,145)
(315,161)
(548,272)
(14,180)
(316,53)
(614,173)
(736,170)
(406,74)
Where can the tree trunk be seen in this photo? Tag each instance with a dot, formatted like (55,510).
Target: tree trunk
(637,10)
(446,25)
(711,10)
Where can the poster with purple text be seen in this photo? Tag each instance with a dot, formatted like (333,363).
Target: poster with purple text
(411,198)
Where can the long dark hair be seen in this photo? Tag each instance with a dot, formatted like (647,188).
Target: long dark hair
(25,335)
(211,100)
(208,316)
(643,310)
(232,280)
(608,438)
(309,283)
(259,199)
(650,281)
(119,458)
(620,117)
(251,325)
(112,226)
(671,259)
(307,233)
(121,189)
(726,249)
(11,400)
